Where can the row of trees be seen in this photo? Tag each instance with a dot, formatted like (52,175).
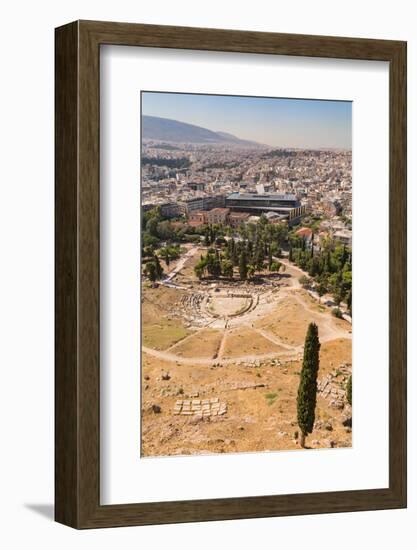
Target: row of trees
(157,229)
(249,256)
(329,267)
(151,259)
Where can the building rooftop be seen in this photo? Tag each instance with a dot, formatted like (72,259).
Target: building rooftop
(239,214)
(219,210)
(273,214)
(304,232)
(255,196)
(278,209)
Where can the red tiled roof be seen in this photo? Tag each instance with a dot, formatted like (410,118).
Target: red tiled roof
(304,232)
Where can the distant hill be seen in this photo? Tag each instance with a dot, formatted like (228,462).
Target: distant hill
(166,129)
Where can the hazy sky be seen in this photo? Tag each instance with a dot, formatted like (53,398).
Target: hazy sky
(273,121)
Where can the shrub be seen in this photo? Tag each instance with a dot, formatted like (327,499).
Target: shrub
(337,313)
(304,281)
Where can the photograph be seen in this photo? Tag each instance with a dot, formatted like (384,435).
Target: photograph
(246,274)
(208,264)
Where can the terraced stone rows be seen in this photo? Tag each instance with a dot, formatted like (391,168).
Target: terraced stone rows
(201,408)
(190,307)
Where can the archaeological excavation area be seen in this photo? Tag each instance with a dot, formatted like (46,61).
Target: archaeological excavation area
(221,364)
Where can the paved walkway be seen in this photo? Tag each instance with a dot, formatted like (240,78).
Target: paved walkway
(181,263)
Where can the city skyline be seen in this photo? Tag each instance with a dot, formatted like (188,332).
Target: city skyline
(276,122)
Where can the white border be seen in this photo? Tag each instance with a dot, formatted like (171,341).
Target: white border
(125,71)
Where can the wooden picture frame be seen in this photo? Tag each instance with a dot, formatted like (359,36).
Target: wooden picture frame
(77,382)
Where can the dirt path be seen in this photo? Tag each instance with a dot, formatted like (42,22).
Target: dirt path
(220,352)
(295,272)
(184,340)
(330,332)
(166,356)
(276,340)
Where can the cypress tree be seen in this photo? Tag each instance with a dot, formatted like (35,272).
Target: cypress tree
(165,255)
(307,390)
(250,249)
(210,264)
(207,237)
(345,255)
(235,255)
(269,258)
(243,266)
(290,258)
(259,257)
(158,268)
(349,390)
(349,302)
(217,269)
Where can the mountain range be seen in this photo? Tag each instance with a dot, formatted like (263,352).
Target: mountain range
(169,130)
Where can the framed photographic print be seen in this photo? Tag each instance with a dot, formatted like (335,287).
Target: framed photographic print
(230,274)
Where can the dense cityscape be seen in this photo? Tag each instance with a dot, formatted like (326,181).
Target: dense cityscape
(197,183)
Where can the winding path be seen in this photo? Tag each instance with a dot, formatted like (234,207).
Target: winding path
(166,356)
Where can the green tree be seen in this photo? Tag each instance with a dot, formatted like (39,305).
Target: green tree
(249,250)
(210,263)
(259,256)
(165,231)
(307,390)
(200,267)
(165,255)
(147,252)
(243,266)
(227,268)
(158,268)
(304,281)
(150,271)
(153,213)
(349,390)
(217,268)
(321,289)
(251,271)
(277,267)
(152,227)
(349,302)
(207,237)
(234,253)
(148,240)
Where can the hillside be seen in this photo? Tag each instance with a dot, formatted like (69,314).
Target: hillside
(169,130)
